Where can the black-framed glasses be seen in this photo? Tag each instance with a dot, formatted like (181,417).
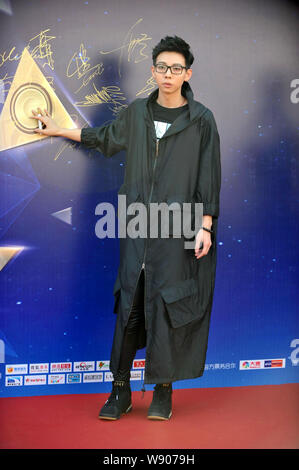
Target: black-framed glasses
(175,69)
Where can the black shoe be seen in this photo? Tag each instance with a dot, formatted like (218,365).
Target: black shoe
(118,403)
(161,406)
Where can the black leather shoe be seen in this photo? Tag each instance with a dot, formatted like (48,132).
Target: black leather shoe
(118,403)
(161,406)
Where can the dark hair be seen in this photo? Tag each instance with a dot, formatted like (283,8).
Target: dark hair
(174,44)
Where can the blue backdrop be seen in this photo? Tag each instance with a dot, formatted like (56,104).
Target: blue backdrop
(56,300)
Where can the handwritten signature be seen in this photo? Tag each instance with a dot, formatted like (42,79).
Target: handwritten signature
(72,145)
(40,51)
(4,57)
(43,49)
(109,95)
(150,85)
(135,47)
(79,66)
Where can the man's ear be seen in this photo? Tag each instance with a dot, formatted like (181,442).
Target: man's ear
(153,70)
(188,75)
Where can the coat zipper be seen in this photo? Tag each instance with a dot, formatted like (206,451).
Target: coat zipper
(154,167)
(143,263)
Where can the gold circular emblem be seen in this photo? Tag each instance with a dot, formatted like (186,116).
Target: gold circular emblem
(25,98)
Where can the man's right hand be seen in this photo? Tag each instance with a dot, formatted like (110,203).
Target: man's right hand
(51,128)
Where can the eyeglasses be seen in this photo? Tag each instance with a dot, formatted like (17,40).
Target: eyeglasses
(175,69)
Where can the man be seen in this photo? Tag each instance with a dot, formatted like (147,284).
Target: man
(163,292)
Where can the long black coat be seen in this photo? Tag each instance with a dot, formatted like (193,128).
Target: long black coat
(179,288)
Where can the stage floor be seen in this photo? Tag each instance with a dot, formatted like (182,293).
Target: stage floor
(251,417)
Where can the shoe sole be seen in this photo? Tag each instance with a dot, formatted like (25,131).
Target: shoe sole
(159,418)
(111,418)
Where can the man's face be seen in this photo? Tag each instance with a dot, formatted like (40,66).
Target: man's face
(168,82)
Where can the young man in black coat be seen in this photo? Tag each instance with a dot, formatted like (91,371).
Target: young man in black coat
(186,141)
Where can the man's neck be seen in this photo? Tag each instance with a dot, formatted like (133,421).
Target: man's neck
(171,101)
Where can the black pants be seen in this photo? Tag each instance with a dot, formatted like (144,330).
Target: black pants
(132,332)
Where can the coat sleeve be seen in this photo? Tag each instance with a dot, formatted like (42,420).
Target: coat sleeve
(209,177)
(108,139)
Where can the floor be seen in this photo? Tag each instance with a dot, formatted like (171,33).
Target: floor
(249,417)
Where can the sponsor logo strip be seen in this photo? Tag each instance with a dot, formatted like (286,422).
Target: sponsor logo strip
(255,364)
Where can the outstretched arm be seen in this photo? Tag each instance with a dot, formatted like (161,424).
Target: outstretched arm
(107,139)
(51,128)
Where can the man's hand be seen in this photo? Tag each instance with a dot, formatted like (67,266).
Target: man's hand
(203,237)
(51,128)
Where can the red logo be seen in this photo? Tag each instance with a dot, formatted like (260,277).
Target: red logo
(139,363)
(255,365)
(277,363)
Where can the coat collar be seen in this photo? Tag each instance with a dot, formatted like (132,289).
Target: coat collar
(195,110)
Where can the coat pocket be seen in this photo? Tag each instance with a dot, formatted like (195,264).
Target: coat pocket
(182,302)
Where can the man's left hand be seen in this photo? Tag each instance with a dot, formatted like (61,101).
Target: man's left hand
(202,237)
